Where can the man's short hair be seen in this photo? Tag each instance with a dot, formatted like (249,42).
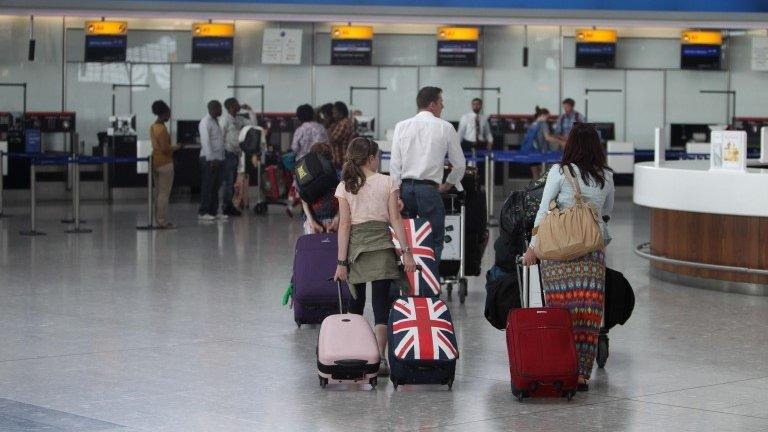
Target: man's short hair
(477,100)
(427,95)
(212,105)
(569,101)
(230,102)
(305,113)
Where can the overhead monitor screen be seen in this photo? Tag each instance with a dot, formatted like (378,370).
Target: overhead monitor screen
(216,50)
(456,53)
(596,55)
(351,52)
(105,48)
(702,57)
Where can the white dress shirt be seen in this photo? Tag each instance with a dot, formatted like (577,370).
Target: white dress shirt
(419,147)
(211,139)
(230,127)
(468,131)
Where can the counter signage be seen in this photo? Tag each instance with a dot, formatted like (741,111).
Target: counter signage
(106,41)
(729,151)
(212,43)
(351,45)
(760,53)
(457,46)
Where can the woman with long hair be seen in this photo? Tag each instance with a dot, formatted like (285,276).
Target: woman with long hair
(578,284)
(368,206)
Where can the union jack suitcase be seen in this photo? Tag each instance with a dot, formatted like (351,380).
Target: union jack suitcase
(424,281)
(422,342)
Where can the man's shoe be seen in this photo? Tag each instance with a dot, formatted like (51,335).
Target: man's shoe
(221,216)
(232,212)
(207,218)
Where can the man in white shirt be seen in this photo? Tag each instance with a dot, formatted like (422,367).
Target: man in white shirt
(474,129)
(211,162)
(419,147)
(231,124)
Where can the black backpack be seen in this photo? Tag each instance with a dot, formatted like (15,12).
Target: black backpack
(315,176)
(518,213)
(619,298)
(502,294)
(251,145)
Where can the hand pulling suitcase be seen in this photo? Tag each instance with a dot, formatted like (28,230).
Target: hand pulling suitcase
(542,350)
(422,342)
(314,297)
(347,351)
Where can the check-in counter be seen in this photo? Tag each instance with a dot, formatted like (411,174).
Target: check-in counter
(708,228)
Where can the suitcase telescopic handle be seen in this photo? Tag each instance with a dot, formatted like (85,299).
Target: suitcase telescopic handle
(338,289)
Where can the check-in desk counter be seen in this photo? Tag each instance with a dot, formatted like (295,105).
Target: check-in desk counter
(708,228)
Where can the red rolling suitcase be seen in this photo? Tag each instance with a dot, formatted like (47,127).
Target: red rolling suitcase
(542,350)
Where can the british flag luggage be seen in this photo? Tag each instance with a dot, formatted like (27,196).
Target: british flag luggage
(314,296)
(424,282)
(542,350)
(347,351)
(422,346)
(422,342)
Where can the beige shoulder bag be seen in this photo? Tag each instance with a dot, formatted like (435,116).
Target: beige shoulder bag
(566,234)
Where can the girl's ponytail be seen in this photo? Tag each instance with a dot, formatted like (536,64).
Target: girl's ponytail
(358,152)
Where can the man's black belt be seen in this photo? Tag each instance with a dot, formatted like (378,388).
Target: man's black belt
(420,182)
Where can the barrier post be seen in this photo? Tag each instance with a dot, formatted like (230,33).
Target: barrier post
(73,166)
(2,185)
(32,204)
(492,182)
(487,186)
(150,208)
(76,199)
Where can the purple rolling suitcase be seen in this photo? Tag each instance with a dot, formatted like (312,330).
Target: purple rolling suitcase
(314,296)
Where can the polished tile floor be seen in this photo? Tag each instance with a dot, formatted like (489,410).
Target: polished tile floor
(123,330)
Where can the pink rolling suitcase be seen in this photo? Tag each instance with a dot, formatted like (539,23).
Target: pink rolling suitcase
(347,351)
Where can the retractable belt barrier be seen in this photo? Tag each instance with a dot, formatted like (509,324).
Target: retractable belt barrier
(50,160)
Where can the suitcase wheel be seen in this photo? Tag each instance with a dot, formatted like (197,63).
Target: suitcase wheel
(569,395)
(373,381)
(450,384)
(602,350)
(298,323)
(462,290)
(260,208)
(449,290)
(394,384)
(519,394)
(323,382)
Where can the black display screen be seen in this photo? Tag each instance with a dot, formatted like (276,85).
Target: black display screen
(351,52)
(216,50)
(596,55)
(457,53)
(105,48)
(703,57)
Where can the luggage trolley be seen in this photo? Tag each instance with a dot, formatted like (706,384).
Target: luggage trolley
(455,245)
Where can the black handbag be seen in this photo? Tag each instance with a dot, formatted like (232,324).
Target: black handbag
(502,294)
(619,299)
(315,176)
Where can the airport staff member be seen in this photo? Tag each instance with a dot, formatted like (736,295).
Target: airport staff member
(567,119)
(474,129)
(211,162)
(231,124)
(419,148)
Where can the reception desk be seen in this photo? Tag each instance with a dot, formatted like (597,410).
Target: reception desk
(708,228)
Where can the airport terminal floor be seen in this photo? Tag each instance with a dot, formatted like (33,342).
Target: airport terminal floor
(182,330)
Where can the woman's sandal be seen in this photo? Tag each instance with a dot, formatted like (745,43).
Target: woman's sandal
(582,387)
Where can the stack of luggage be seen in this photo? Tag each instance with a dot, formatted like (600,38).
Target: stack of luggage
(422,347)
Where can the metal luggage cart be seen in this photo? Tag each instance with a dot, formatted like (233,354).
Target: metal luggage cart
(455,252)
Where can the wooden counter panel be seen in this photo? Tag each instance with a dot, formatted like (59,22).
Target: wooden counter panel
(739,241)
